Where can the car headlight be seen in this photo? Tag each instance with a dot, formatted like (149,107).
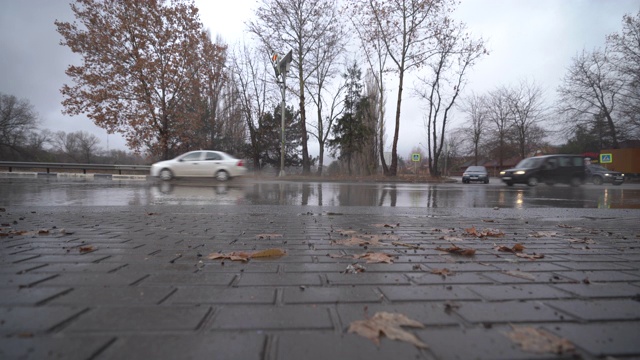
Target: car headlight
(521,172)
(502,172)
(607,174)
(621,174)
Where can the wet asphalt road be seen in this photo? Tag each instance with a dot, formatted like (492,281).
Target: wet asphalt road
(56,191)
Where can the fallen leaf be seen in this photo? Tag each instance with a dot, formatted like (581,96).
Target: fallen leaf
(581,241)
(450,238)
(354,269)
(43,232)
(389,325)
(533,256)
(539,341)
(444,272)
(516,248)
(84,249)
(484,233)
(458,251)
(245,256)
(565,226)
(539,234)
(375,257)
(268,253)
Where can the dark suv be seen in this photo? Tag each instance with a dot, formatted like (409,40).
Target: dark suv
(550,169)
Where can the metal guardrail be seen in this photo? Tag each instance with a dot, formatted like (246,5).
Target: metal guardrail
(11,165)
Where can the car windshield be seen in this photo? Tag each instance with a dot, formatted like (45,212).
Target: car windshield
(479,169)
(529,163)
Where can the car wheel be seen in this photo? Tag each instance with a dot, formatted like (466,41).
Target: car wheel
(486,181)
(597,180)
(533,181)
(617,183)
(576,181)
(509,183)
(549,183)
(222,175)
(166,174)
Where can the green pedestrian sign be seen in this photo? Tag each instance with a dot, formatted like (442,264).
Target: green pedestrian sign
(606,158)
(415,157)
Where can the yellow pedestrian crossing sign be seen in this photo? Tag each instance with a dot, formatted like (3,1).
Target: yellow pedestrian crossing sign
(606,158)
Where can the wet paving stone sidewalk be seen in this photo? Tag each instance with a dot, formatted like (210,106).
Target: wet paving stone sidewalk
(140,282)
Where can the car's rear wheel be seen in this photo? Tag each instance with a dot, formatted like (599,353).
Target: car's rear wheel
(576,181)
(222,175)
(166,174)
(486,181)
(597,180)
(509,183)
(533,181)
(549,183)
(617,183)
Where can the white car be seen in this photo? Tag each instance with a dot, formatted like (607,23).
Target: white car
(201,163)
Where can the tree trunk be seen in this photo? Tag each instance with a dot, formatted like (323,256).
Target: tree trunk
(393,170)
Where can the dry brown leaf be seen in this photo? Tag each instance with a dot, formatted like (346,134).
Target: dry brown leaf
(84,249)
(539,341)
(43,231)
(539,234)
(450,238)
(389,325)
(533,256)
(268,253)
(484,233)
(581,241)
(245,256)
(514,249)
(443,272)
(565,226)
(372,257)
(458,251)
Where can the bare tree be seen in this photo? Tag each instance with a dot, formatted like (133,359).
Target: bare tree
(591,89)
(303,26)
(499,115)
(528,110)
(456,54)
(407,31)
(477,122)
(87,145)
(17,119)
(250,75)
(625,55)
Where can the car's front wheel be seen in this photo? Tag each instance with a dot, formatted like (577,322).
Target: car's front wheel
(222,175)
(166,174)
(533,181)
(597,180)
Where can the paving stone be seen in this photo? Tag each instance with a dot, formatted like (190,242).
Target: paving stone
(367,278)
(618,266)
(68,258)
(599,310)
(222,295)
(428,313)
(455,278)
(531,266)
(130,318)
(347,346)
(29,296)
(201,346)
(59,347)
(122,278)
(518,292)
(22,280)
(113,296)
(341,294)
(31,320)
(261,317)
(76,268)
(600,276)
(428,293)
(600,290)
(508,312)
(601,339)
(290,279)
(199,278)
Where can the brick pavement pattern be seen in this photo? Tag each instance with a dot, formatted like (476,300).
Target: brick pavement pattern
(135,282)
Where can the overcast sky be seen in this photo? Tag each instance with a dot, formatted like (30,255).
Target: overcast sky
(528,40)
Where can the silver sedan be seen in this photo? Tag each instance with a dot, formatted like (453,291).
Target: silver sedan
(202,163)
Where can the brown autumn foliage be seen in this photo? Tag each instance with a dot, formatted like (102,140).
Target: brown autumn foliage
(144,68)
(389,325)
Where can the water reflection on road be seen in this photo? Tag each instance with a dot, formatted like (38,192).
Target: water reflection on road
(56,192)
